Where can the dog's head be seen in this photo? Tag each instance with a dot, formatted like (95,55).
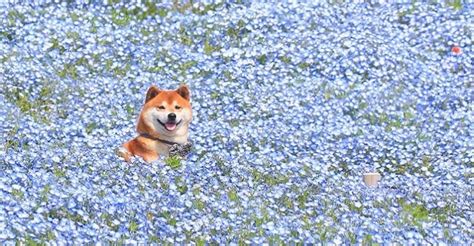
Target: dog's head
(166,113)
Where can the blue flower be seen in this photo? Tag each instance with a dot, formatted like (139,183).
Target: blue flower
(292,103)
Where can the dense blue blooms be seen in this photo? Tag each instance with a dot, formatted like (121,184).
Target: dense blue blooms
(292,103)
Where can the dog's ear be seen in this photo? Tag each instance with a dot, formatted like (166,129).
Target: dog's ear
(152,92)
(183,91)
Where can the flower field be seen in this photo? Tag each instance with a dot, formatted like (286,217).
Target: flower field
(292,103)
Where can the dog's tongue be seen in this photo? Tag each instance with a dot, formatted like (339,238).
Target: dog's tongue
(170,126)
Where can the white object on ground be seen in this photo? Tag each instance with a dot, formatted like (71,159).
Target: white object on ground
(371,179)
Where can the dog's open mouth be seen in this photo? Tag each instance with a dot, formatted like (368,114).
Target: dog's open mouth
(170,125)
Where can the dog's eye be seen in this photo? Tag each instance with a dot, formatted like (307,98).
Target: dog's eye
(161,107)
(177,107)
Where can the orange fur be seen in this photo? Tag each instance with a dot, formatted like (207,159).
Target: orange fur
(177,102)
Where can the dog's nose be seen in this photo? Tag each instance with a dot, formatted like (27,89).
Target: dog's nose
(171,116)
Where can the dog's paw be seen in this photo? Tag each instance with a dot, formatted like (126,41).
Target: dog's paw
(123,153)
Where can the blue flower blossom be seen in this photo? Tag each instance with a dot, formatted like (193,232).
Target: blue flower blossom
(292,103)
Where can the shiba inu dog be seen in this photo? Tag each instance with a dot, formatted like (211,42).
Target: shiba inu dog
(163,122)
